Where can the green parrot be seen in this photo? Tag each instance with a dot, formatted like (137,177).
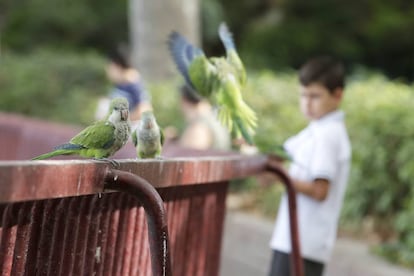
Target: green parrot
(148,138)
(101,139)
(219,79)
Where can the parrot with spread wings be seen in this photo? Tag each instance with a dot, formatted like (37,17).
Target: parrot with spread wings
(219,79)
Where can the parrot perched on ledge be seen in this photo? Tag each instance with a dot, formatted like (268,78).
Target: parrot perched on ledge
(101,139)
(148,138)
(219,79)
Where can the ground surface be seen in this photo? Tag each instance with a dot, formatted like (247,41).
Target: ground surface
(246,251)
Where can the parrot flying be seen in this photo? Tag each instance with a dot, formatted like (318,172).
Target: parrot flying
(219,79)
(101,139)
(148,138)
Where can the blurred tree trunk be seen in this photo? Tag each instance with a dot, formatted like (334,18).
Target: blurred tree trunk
(151,21)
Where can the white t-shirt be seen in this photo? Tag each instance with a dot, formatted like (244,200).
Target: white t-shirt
(321,150)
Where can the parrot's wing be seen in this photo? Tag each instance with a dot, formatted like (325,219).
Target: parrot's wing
(162,137)
(97,136)
(183,53)
(232,56)
(203,75)
(244,130)
(134,138)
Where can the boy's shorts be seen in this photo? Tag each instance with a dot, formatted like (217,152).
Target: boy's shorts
(280,265)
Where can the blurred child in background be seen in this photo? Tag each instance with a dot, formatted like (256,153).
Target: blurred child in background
(203,131)
(127,82)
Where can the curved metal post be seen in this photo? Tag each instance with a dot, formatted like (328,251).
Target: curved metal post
(296,267)
(155,213)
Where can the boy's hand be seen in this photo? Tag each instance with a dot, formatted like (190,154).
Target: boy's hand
(280,152)
(276,162)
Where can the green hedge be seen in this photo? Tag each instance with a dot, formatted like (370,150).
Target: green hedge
(381,184)
(58,86)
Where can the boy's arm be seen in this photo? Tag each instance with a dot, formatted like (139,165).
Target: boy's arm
(136,113)
(317,189)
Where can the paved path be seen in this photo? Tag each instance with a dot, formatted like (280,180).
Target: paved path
(246,252)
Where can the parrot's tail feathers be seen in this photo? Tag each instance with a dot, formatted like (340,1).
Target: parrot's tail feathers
(226,37)
(247,115)
(225,117)
(63,149)
(44,156)
(243,123)
(244,131)
(52,154)
(182,53)
(250,117)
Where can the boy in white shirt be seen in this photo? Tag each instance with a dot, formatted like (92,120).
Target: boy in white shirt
(319,172)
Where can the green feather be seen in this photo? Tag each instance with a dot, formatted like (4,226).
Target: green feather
(162,138)
(201,73)
(243,130)
(234,60)
(134,138)
(99,135)
(280,152)
(52,154)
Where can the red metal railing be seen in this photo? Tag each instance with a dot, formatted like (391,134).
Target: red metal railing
(59,217)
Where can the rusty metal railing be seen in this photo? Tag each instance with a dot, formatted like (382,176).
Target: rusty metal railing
(59,208)
(63,217)
(296,259)
(156,215)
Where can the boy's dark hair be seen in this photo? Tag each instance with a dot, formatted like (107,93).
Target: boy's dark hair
(119,57)
(324,70)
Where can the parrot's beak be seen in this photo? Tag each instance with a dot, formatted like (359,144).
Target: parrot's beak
(124,114)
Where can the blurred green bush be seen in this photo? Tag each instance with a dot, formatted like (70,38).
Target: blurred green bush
(381,182)
(85,24)
(64,86)
(373,33)
(58,86)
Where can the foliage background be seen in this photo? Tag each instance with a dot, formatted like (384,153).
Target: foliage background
(51,66)
(377,34)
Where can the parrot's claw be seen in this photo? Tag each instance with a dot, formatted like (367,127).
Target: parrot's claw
(113,162)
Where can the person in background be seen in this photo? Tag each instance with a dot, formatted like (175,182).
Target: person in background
(203,131)
(321,156)
(127,83)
